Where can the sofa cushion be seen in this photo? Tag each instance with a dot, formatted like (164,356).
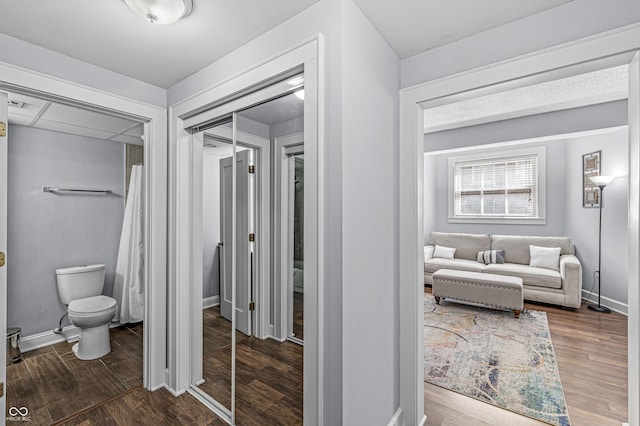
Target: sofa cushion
(467,245)
(531,276)
(516,247)
(432,265)
(444,252)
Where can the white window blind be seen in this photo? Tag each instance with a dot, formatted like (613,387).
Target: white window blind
(505,187)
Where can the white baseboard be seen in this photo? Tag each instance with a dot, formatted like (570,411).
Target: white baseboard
(209,302)
(423,421)
(70,333)
(397,417)
(173,392)
(614,305)
(40,340)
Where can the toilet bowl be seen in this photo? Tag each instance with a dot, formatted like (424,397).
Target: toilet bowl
(80,288)
(92,316)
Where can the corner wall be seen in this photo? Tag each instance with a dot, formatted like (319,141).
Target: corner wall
(581,223)
(370,158)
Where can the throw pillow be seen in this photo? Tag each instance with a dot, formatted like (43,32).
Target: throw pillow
(545,257)
(491,256)
(444,252)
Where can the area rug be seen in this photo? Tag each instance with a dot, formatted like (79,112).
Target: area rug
(490,355)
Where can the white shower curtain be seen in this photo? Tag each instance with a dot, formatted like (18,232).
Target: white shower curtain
(128,287)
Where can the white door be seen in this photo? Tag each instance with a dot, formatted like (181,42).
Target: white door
(4,123)
(242,247)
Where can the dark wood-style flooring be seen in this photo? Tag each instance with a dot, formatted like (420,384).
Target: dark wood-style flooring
(268,374)
(57,388)
(591,352)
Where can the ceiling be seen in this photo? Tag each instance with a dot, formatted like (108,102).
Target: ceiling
(590,88)
(276,111)
(41,114)
(106,33)
(414,26)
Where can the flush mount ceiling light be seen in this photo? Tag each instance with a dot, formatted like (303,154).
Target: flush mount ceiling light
(161,11)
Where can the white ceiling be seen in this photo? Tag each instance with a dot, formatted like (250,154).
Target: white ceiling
(276,111)
(40,114)
(106,33)
(595,87)
(414,26)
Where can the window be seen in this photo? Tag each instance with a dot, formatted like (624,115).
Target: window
(502,187)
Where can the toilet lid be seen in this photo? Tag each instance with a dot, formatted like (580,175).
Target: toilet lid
(92,305)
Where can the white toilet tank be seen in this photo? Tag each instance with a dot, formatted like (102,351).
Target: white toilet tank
(78,282)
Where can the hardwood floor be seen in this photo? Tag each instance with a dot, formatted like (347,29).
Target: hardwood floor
(53,384)
(591,352)
(268,374)
(57,388)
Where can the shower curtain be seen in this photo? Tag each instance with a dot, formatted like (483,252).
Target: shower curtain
(128,287)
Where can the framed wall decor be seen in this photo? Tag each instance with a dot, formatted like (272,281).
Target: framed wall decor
(590,167)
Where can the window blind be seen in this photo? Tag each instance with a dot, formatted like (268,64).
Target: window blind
(505,187)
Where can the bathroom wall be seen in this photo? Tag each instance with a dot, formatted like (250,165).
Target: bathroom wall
(48,231)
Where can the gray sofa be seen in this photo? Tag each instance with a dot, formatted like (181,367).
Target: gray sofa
(563,287)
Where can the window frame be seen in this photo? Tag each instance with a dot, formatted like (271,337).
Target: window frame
(540,151)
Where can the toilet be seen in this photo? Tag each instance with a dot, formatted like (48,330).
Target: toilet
(80,288)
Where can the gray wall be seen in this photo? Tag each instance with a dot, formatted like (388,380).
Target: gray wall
(211,224)
(581,223)
(555,195)
(370,157)
(565,214)
(47,231)
(551,27)
(592,117)
(32,57)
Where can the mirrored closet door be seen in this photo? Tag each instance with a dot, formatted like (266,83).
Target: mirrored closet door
(249,371)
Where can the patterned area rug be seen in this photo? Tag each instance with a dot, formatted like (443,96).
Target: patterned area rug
(491,356)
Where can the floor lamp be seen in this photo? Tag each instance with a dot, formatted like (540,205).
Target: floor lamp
(600,182)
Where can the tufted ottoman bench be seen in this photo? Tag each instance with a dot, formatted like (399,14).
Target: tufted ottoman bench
(496,291)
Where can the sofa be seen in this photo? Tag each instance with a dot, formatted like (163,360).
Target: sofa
(559,285)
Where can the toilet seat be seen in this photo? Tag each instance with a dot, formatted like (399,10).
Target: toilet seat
(92,306)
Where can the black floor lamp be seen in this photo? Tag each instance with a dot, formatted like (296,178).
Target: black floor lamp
(601,182)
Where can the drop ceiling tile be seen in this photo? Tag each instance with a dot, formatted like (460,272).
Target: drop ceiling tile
(134,140)
(87,119)
(74,130)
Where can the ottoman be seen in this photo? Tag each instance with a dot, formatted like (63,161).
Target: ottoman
(496,291)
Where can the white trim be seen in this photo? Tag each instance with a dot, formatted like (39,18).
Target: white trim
(210,302)
(284,146)
(396,419)
(70,333)
(618,45)
(614,305)
(309,55)
(155,153)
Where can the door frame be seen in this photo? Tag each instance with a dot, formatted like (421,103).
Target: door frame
(21,80)
(610,46)
(284,146)
(306,56)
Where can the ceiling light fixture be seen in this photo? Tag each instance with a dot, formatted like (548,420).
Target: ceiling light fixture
(299,94)
(160,11)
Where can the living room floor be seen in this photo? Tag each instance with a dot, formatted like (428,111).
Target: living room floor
(591,352)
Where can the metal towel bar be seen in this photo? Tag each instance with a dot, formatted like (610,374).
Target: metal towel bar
(84,191)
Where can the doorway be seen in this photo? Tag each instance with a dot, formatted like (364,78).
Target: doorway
(196,113)
(565,60)
(153,121)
